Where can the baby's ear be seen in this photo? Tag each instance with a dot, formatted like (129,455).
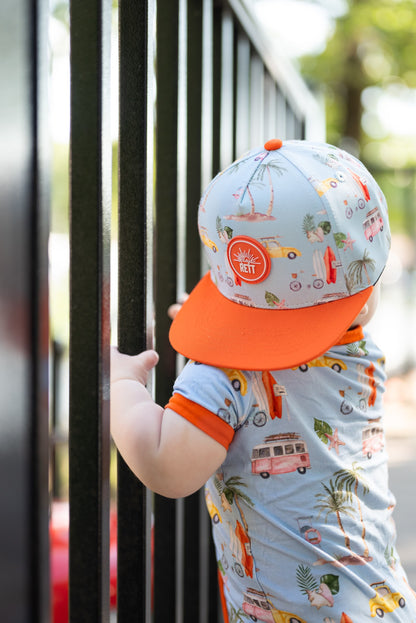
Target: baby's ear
(363,313)
(175,308)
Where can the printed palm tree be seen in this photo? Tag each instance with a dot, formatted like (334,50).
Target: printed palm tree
(233,168)
(267,167)
(358,267)
(335,501)
(231,489)
(236,616)
(347,479)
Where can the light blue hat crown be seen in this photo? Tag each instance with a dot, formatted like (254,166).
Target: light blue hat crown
(294,224)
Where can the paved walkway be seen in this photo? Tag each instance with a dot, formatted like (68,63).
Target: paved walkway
(400,425)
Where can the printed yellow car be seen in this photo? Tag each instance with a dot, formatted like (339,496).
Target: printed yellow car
(213,511)
(237,379)
(385,600)
(325,185)
(323,362)
(207,241)
(275,249)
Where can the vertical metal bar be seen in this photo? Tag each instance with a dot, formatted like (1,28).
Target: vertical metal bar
(216,90)
(242,98)
(211,81)
(256,125)
(281,114)
(290,122)
(164,604)
(227,90)
(89,308)
(39,13)
(194,132)
(269,107)
(208,552)
(207,112)
(135,288)
(24,561)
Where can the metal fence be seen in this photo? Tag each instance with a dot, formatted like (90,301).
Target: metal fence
(198,86)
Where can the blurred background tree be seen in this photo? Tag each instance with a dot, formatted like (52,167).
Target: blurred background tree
(370,56)
(362,64)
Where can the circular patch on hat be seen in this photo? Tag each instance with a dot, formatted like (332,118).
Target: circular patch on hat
(249,259)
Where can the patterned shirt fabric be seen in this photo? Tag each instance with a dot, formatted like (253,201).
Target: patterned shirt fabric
(301,510)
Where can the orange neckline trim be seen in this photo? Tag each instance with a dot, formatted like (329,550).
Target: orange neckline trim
(352,335)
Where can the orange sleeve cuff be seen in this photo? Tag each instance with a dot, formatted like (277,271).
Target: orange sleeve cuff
(202,418)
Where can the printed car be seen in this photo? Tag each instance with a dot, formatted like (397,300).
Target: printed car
(325,185)
(385,600)
(280,454)
(275,249)
(207,241)
(260,608)
(212,509)
(373,440)
(373,224)
(322,362)
(237,379)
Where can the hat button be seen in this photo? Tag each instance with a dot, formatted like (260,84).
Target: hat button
(274,143)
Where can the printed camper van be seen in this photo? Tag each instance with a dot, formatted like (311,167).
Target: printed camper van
(280,454)
(373,224)
(259,608)
(373,439)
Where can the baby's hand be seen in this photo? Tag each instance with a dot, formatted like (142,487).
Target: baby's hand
(135,368)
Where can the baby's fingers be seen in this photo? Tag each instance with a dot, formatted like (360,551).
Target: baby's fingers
(136,368)
(146,360)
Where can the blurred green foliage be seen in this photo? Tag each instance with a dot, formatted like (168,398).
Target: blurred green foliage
(371,55)
(373,44)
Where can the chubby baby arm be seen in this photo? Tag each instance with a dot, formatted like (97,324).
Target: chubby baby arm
(167,453)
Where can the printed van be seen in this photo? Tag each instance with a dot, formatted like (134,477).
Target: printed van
(280,454)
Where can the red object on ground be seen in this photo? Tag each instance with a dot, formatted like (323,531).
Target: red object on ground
(59,559)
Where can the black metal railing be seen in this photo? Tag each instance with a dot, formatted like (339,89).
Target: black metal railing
(197,86)
(195,91)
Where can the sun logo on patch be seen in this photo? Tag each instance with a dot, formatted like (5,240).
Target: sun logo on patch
(249,259)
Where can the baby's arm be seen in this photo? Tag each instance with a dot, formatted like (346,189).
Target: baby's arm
(167,453)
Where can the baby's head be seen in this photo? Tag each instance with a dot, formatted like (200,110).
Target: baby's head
(296,235)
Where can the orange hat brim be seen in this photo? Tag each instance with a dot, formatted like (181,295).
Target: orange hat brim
(213,330)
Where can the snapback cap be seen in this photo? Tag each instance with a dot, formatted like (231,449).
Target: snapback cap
(296,234)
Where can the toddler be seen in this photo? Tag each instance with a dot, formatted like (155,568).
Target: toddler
(279,410)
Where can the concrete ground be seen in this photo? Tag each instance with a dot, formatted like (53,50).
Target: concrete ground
(400,426)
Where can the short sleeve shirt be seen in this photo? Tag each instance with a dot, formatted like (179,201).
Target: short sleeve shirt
(300,509)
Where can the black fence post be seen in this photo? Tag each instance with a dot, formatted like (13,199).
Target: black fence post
(135,285)
(24,224)
(167,23)
(89,305)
